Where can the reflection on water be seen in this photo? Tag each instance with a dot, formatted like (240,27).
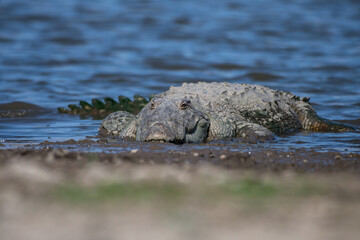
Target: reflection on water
(54,53)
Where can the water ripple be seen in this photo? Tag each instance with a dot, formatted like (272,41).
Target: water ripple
(58,52)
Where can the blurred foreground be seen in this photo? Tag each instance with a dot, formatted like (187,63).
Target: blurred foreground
(57,194)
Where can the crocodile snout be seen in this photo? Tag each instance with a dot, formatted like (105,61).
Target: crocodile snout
(158,132)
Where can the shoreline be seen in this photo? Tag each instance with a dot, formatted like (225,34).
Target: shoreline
(201,194)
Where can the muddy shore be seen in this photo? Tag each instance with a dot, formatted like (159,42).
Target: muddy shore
(223,154)
(101,189)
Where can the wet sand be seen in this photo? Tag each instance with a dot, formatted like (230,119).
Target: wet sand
(218,153)
(58,190)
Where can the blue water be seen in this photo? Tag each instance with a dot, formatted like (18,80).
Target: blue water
(55,53)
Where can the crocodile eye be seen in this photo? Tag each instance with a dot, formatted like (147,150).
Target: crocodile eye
(184,104)
(152,105)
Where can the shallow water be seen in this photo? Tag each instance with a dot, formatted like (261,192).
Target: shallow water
(55,53)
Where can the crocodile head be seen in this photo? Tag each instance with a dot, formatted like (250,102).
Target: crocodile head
(171,120)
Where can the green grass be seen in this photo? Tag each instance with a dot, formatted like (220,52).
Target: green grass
(93,157)
(249,189)
(117,191)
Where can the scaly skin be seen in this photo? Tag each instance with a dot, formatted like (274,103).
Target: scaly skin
(100,109)
(207,111)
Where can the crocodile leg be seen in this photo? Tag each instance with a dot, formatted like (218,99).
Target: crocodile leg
(253,132)
(312,122)
(120,124)
(220,128)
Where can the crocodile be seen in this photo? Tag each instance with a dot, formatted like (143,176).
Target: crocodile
(202,112)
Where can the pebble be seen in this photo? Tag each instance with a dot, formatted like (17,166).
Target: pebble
(134,150)
(338,157)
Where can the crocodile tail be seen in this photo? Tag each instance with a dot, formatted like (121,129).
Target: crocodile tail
(310,121)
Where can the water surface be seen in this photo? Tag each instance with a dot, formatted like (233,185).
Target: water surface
(55,53)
